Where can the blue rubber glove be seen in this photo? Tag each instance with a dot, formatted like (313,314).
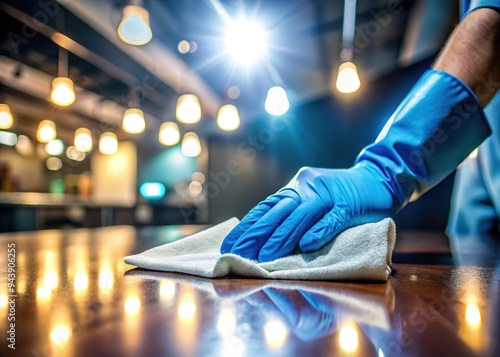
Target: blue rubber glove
(437,125)
(309,315)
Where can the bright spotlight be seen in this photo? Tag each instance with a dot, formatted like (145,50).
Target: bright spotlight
(245,41)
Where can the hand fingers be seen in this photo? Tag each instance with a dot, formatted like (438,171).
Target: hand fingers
(286,237)
(249,220)
(249,243)
(324,230)
(307,322)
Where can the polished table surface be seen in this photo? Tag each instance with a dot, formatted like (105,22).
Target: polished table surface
(76,297)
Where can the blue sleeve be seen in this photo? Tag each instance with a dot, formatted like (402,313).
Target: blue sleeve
(467,6)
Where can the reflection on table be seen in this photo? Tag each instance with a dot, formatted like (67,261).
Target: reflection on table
(76,297)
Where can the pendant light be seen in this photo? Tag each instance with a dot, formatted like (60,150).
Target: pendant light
(83,140)
(347,76)
(228,118)
(188,110)
(191,145)
(169,133)
(46,131)
(134,28)
(63,89)
(6,118)
(108,144)
(133,121)
(277,101)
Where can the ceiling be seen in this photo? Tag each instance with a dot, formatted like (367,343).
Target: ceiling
(304,44)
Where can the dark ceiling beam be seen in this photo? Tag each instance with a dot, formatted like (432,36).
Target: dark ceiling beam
(70,45)
(155,57)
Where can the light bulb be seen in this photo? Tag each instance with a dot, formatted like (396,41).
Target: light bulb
(46,131)
(108,144)
(188,109)
(6,119)
(54,147)
(83,140)
(169,133)
(245,41)
(63,91)
(134,28)
(191,145)
(277,101)
(133,121)
(348,78)
(228,118)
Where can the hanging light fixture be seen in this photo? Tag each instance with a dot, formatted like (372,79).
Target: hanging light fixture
(108,143)
(188,109)
(191,145)
(6,119)
(348,78)
(83,140)
(228,118)
(134,27)
(63,89)
(169,133)
(54,147)
(46,131)
(133,121)
(277,101)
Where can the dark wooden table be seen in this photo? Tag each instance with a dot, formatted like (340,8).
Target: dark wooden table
(76,297)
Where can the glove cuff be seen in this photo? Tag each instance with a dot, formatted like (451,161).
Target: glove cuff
(433,130)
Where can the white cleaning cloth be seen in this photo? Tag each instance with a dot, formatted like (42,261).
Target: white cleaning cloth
(359,253)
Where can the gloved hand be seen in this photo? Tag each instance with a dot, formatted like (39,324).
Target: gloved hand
(438,124)
(313,208)
(309,315)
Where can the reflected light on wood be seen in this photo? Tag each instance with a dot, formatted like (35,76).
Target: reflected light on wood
(60,334)
(226,323)
(132,305)
(348,338)
(472,315)
(275,333)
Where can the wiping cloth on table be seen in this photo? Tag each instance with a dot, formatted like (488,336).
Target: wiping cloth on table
(359,253)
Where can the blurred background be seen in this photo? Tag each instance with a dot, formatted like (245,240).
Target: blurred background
(161,112)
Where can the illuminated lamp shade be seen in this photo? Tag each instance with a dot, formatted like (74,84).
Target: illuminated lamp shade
(108,144)
(191,145)
(228,118)
(133,121)
(277,101)
(54,147)
(348,78)
(83,140)
(6,119)
(134,27)
(63,91)
(152,190)
(46,131)
(188,109)
(169,133)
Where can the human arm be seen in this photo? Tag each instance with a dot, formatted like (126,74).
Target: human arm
(437,125)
